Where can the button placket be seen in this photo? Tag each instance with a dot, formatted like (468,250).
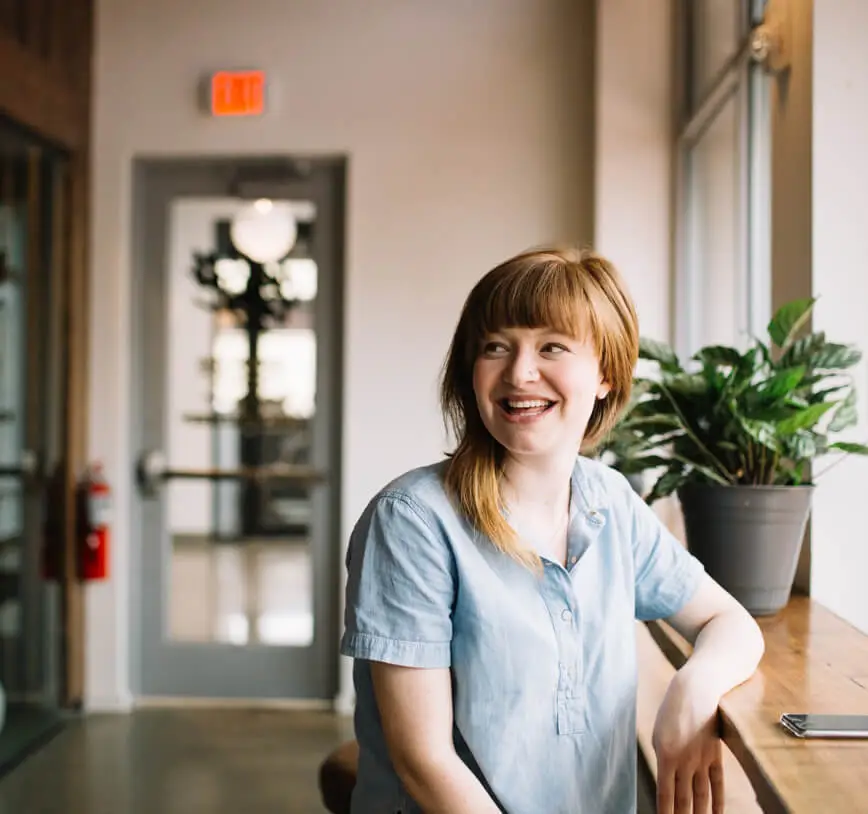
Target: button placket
(560,599)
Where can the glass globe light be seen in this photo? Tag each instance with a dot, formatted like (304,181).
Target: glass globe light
(264,231)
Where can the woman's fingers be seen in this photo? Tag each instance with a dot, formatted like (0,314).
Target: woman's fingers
(715,777)
(690,790)
(665,789)
(684,792)
(701,792)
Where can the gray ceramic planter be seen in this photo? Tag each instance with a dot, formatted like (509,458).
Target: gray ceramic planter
(748,538)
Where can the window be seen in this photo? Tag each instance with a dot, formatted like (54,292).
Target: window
(723,280)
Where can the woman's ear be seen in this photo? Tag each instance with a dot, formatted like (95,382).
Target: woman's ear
(603,390)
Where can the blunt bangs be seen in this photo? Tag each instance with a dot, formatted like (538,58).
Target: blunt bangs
(545,292)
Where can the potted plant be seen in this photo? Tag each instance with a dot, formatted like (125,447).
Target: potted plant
(733,434)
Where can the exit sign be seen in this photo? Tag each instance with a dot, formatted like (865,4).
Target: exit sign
(237,93)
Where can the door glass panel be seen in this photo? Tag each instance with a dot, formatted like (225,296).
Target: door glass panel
(32,439)
(13,344)
(716,29)
(240,401)
(717,272)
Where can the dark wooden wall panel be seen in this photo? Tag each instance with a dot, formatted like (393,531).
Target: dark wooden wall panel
(45,55)
(46,49)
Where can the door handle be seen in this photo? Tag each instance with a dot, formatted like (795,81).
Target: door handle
(153,470)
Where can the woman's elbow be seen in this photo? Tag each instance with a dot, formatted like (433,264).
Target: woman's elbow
(750,637)
(423,772)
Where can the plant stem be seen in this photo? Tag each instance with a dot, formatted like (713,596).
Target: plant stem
(693,436)
(705,470)
(832,465)
(770,477)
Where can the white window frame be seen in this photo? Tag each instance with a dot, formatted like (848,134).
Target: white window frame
(745,79)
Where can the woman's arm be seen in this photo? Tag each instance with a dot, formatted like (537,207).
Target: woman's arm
(415,708)
(728,646)
(727,642)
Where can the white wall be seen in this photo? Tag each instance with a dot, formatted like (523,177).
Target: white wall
(839,558)
(469,131)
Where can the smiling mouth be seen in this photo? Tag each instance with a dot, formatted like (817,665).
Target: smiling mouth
(526,407)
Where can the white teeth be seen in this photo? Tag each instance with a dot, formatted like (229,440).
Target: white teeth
(523,405)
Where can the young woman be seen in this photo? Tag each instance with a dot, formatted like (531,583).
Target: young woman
(491,597)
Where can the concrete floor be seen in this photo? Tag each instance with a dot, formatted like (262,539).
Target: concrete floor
(185,761)
(178,761)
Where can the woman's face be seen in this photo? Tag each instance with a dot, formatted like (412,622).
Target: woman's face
(536,388)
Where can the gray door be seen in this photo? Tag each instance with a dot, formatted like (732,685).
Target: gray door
(236,387)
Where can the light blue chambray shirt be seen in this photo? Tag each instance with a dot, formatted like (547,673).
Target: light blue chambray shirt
(543,667)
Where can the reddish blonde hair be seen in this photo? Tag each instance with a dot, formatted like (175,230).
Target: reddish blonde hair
(573,292)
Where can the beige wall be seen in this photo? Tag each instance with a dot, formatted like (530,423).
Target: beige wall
(469,132)
(791,177)
(634,138)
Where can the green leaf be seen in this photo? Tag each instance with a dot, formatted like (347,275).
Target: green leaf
(707,472)
(718,355)
(850,447)
(660,352)
(789,320)
(802,445)
(632,466)
(804,418)
(798,473)
(648,408)
(820,395)
(774,412)
(802,351)
(832,356)
(782,383)
(651,421)
(763,432)
(687,384)
(846,415)
(666,484)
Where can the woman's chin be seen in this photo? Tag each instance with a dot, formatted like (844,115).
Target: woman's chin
(525,447)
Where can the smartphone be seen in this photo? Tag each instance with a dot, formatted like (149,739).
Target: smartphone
(804,725)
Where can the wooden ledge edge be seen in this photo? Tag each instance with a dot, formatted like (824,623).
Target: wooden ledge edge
(677,650)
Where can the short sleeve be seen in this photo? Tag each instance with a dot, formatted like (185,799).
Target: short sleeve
(666,573)
(400,587)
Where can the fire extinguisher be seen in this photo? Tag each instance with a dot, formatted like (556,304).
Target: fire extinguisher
(95,515)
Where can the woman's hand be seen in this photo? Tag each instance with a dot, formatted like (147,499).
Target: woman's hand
(689,756)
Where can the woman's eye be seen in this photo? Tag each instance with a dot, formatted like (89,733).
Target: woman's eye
(490,348)
(554,348)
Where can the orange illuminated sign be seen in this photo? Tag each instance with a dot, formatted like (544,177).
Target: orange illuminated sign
(237,93)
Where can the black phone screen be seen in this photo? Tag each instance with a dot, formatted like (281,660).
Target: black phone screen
(833,723)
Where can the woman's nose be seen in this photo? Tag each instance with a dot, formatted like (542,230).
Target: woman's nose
(521,370)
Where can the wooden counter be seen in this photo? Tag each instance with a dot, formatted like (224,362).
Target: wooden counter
(814,662)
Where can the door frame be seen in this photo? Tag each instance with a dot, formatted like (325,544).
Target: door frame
(50,96)
(157,181)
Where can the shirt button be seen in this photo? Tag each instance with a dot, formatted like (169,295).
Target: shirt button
(574,560)
(566,615)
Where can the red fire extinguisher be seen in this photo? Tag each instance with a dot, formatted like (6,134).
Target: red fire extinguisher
(93,547)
